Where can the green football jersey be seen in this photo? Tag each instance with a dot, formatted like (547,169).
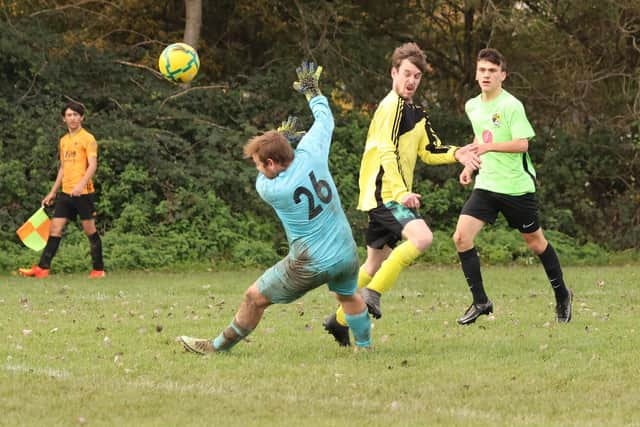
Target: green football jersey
(502,120)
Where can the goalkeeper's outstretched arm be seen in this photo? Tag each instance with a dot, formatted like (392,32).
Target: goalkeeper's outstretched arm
(319,136)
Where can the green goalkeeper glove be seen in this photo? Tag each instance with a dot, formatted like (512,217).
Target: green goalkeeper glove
(308,77)
(288,130)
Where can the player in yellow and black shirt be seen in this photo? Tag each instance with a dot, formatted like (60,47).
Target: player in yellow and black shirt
(399,133)
(78,163)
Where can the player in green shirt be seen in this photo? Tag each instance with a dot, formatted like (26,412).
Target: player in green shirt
(506,182)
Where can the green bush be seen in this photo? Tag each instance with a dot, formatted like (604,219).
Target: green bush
(173,187)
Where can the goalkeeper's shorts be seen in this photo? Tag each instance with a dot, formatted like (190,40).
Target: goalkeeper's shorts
(291,278)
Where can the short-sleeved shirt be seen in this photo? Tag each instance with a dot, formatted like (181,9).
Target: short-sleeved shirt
(75,151)
(502,120)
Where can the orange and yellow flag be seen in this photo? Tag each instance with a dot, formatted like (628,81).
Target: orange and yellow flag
(35,232)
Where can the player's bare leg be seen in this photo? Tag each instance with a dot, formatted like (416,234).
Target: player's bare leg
(418,238)
(244,322)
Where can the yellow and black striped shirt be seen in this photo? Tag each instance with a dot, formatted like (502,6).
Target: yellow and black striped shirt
(399,133)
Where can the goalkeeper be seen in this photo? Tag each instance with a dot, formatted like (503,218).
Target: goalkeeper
(298,185)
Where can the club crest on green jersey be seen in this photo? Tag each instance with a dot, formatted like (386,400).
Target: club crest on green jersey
(496,119)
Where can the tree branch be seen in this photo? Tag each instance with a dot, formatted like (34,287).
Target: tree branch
(184,92)
(33,82)
(133,64)
(74,6)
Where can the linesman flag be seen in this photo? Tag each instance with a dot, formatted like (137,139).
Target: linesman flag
(35,232)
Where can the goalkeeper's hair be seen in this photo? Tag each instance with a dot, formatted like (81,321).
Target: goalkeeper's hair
(413,53)
(494,56)
(270,145)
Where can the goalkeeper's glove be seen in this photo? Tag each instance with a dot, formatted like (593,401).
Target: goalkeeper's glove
(288,130)
(308,77)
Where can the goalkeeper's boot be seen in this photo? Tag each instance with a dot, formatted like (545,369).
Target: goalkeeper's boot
(372,299)
(35,271)
(563,309)
(474,311)
(97,274)
(339,332)
(360,349)
(196,345)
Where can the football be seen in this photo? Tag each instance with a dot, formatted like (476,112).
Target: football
(179,62)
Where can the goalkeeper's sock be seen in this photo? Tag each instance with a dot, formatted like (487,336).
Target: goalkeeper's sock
(363,280)
(231,336)
(471,268)
(96,251)
(386,276)
(360,326)
(551,265)
(53,242)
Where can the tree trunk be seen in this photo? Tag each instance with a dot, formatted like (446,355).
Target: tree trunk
(193,22)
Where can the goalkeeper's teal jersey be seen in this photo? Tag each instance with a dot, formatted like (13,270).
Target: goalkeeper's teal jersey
(306,199)
(502,120)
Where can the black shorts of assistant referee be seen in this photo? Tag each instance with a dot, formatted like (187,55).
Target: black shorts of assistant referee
(68,206)
(521,212)
(386,223)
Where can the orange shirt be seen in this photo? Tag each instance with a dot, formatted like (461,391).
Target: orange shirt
(75,151)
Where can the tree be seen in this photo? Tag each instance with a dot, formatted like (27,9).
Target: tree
(193,22)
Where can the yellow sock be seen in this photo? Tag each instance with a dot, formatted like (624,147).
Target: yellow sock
(363,280)
(386,276)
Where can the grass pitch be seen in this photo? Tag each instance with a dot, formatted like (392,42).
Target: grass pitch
(75,351)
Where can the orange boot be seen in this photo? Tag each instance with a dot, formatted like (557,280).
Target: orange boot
(35,271)
(97,274)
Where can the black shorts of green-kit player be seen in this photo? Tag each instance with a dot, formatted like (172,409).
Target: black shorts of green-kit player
(521,213)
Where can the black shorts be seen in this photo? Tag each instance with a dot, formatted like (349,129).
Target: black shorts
(386,223)
(68,206)
(521,212)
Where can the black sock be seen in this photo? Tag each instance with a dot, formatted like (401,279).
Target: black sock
(551,265)
(471,269)
(96,251)
(49,252)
